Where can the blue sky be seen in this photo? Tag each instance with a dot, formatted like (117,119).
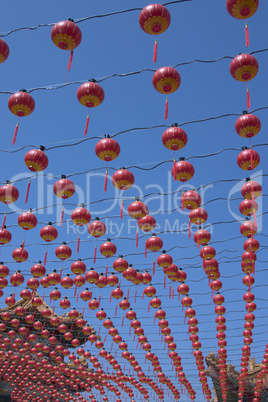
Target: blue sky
(116,44)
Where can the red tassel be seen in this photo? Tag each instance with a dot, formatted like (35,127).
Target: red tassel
(77,297)
(104,338)
(119,284)
(153,267)
(106,272)
(130,332)
(135,296)
(45,258)
(115,311)
(86,127)
(60,273)
(251,160)
(172,293)
(75,289)
(121,210)
(165,280)
(148,307)
(169,291)
(248,99)
(137,238)
(83,312)
(95,254)
(53,310)
(122,321)
(174,169)
(110,298)
(184,319)
(189,231)
(154,323)
(105,181)
(253,267)
(250,253)
(166,109)
(99,298)
(15,134)
(155,51)
(27,191)
(212,294)
(255,219)
(127,294)
(4,221)
(70,60)
(249,283)
(145,253)
(182,203)
(142,295)
(247,35)
(61,218)
(99,332)
(198,242)
(78,244)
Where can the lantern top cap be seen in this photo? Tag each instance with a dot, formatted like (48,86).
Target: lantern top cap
(7,181)
(130,265)
(70,19)
(174,125)
(82,205)
(49,223)
(63,176)
(107,136)
(120,256)
(22,90)
(244,148)
(42,148)
(108,239)
(64,243)
(137,199)
(92,80)
(182,158)
(245,112)
(97,218)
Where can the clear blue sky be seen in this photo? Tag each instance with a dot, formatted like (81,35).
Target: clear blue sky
(116,44)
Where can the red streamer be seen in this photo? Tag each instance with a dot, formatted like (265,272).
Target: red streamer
(75,289)
(255,218)
(145,253)
(166,109)
(155,51)
(45,258)
(60,273)
(169,291)
(142,295)
(247,35)
(4,221)
(148,307)
(121,209)
(122,321)
(77,297)
(172,293)
(137,238)
(165,280)
(189,229)
(27,191)
(61,218)
(174,169)
(78,244)
(86,127)
(153,267)
(135,296)
(105,180)
(115,311)
(127,294)
(95,254)
(70,60)
(83,312)
(248,99)
(15,133)
(106,272)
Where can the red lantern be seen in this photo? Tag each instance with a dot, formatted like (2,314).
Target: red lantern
(66,282)
(166,80)
(190,200)
(63,252)
(248,207)
(198,216)
(251,189)
(96,228)
(154,243)
(248,228)
(20,104)
(164,260)
(147,223)
(81,216)
(16,279)
(154,20)
(120,264)
(90,94)
(4,271)
(248,159)
(174,138)
(20,254)
(202,237)
(36,160)
(123,179)
(4,51)
(38,270)
(66,36)
(92,276)
(78,267)
(137,209)
(5,236)
(27,220)
(244,67)
(48,233)
(182,170)
(53,278)
(64,188)
(117,293)
(149,291)
(108,249)
(207,253)
(55,294)
(247,125)
(107,149)
(251,245)
(8,193)
(147,278)
(64,303)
